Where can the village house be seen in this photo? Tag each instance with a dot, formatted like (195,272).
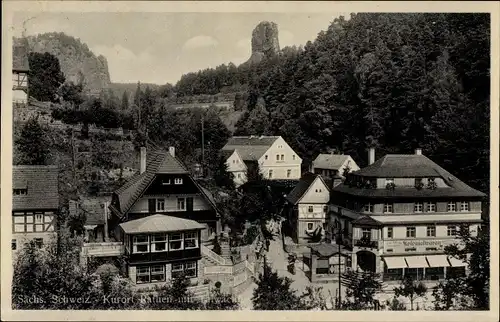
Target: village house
(400,212)
(329,165)
(20,72)
(271,154)
(307,208)
(35,204)
(159,221)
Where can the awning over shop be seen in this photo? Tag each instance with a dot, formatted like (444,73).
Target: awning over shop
(455,262)
(416,261)
(395,262)
(437,261)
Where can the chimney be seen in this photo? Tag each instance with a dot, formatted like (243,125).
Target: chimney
(143,159)
(171,150)
(418,151)
(371,156)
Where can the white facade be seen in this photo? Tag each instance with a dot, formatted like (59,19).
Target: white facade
(280,162)
(237,167)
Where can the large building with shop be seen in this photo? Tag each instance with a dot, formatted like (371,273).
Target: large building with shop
(400,212)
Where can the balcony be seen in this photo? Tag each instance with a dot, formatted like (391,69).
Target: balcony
(102,249)
(365,242)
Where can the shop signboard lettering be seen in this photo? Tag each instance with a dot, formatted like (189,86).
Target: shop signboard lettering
(421,245)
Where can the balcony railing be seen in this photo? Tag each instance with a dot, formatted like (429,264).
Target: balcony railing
(103,249)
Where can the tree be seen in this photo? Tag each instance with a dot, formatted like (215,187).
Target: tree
(410,289)
(177,296)
(32,144)
(361,289)
(71,93)
(52,274)
(124,102)
(274,292)
(221,175)
(221,301)
(474,250)
(448,294)
(45,76)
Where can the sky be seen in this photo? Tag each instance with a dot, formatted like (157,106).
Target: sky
(160,47)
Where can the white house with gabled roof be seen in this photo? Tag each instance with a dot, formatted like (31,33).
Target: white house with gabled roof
(275,158)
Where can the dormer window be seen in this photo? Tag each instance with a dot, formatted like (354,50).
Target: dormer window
(20,192)
(178,180)
(165,182)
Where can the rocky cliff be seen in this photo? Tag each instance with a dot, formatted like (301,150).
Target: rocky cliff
(265,41)
(76,60)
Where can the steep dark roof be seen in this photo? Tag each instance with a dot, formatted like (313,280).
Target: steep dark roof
(20,60)
(250,148)
(409,166)
(42,185)
(300,189)
(158,162)
(227,153)
(329,161)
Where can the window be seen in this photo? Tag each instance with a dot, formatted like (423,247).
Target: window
(19,224)
(142,274)
(141,244)
(266,157)
(431,207)
(368,207)
(234,161)
(310,226)
(390,232)
(188,268)
(388,207)
(238,175)
(418,182)
(451,230)
(431,231)
(14,244)
(282,157)
(293,157)
(431,249)
(288,173)
(464,206)
(411,232)
(310,209)
(39,222)
(277,157)
(413,249)
(389,181)
(366,233)
(390,250)
(418,207)
(190,240)
(181,203)
(452,206)
(175,242)
(20,192)
(39,242)
(178,181)
(158,273)
(270,174)
(160,204)
(159,243)
(165,182)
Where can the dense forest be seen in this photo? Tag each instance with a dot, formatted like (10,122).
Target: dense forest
(390,81)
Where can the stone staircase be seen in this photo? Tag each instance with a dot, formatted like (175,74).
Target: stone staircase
(225,250)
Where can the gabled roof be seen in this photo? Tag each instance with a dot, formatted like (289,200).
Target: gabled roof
(326,249)
(20,60)
(227,153)
(42,184)
(409,166)
(302,187)
(366,220)
(158,162)
(329,161)
(159,223)
(250,148)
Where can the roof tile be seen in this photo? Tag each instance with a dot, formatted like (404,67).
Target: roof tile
(250,148)
(42,185)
